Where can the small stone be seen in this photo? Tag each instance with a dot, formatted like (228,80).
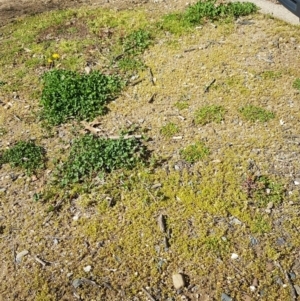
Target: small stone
(252,288)
(234,256)
(178,281)
(225,297)
(292,275)
(75,217)
(21,255)
(87,269)
(87,70)
(253,241)
(235,221)
(270,205)
(269,266)
(246,298)
(279,281)
(297,289)
(297,181)
(255,282)
(69,274)
(77,282)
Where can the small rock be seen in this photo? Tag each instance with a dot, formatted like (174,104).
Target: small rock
(76,217)
(234,256)
(87,70)
(280,241)
(270,205)
(87,269)
(253,241)
(235,221)
(3,190)
(279,281)
(77,282)
(246,298)
(252,288)
(292,275)
(297,181)
(297,289)
(178,281)
(21,255)
(255,282)
(225,297)
(269,266)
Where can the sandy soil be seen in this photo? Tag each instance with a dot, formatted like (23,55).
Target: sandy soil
(12,9)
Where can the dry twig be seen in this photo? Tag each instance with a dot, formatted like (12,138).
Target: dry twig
(292,289)
(209,85)
(148,294)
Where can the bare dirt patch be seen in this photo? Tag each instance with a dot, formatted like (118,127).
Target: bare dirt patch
(10,10)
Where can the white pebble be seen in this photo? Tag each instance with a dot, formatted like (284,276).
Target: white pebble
(20,256)
(87,268)
(234,256)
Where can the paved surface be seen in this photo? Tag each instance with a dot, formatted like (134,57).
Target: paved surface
(276,10)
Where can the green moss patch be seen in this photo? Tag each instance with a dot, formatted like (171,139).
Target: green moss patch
(209,114)
(253,113)
(194,152)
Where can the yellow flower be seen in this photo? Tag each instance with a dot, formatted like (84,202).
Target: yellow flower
(55,56)
(50,61)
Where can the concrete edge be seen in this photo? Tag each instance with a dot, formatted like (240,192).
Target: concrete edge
(276,10)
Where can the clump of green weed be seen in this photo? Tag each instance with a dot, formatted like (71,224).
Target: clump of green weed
(91,156)
(260,225)
(174,23)
(296,84)
(197,13)
(67,94)
(3,131)
(24,154)
(181,105)
(253,113)
(202,10)
(133,45)
(136,42)
(129,63)
(169,130)
(263,190)
(270,74)
(194,152)
(209,114)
